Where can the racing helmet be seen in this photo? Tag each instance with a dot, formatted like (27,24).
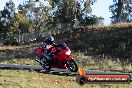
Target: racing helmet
(49,39)
(63,46)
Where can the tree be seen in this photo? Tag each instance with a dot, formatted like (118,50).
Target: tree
(121,11)
(38,15)
(7,15)
(7,23)
(65,11)
(22,22)
(42,18)
(87,5)
(68,10)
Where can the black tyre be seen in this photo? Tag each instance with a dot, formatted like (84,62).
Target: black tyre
(46,66)
(42,61)
(72,66)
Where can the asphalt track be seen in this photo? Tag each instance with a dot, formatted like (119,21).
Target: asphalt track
(54,70)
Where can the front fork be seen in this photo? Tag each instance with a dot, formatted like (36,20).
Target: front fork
(68,58)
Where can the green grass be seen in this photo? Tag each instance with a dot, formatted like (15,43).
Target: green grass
(30,79)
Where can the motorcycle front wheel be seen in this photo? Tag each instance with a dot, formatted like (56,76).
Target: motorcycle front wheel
(72,66)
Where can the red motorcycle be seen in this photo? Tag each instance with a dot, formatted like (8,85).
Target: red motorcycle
(58,57)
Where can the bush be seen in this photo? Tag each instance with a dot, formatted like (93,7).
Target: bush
(10,41)
(90,20)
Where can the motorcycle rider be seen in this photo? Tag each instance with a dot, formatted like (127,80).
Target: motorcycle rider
(49,44)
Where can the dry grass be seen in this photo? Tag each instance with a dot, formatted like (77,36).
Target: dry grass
(26,79)
(83,61)
(110,27)
(22,61)
(8,47)
(106,63)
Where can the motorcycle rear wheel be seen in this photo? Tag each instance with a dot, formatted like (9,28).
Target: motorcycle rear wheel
(46,66)
(44,62)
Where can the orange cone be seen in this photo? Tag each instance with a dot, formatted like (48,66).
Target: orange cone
(81,71)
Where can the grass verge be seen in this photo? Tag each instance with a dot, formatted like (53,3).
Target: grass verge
(27,79)
(87,62)
(105,63)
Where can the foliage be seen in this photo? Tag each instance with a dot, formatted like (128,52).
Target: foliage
(10,41)
(22,22)
(90,20)
(35,16)
(68,10)
(121,11)
(6,18)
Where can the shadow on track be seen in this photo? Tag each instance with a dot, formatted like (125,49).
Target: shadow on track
(54,71)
